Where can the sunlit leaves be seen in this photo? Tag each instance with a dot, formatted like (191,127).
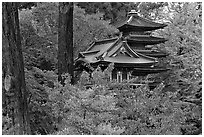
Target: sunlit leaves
(107,129)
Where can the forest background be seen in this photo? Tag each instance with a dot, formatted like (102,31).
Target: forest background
(173,107)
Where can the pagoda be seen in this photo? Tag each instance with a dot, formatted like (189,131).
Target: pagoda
(128,52)
(137,31)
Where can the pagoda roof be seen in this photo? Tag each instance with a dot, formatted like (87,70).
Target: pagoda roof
(134,21)
(153,53)
(115,50)
(145,39)
(146,71)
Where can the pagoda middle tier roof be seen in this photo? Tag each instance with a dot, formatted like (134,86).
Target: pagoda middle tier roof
(145,39)
(153,53)
(138,23)
(115,50)
(145,71)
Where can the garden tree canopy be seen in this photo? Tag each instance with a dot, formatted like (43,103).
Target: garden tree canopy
(185,34)
(39,32)
(38,24)
(115,11)
(26,5)
(88,28)
(39,29)
(15,76)
(150,10)
(112,10)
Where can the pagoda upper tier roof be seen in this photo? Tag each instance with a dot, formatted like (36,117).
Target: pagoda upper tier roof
(115,50)
(145,39)
(137,23)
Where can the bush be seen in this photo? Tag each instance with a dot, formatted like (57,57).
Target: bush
(99,110)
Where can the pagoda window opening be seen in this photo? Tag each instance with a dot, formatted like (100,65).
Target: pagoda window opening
(111,78)
(119,76)
(124,75)
(128,76)
(113,75)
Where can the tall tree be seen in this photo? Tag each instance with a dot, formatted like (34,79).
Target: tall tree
(15,76)
(65,40)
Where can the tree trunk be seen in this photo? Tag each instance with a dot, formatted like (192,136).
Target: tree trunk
(65,40)
(15,65)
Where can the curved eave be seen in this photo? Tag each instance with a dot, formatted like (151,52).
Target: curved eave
(157,55)
(119,60)
(89,52)
(128,27)
(131,60)
(147,57)
(151,53)
(95,43)
(125,45)
(153,69)
(145,42)
(150,40)
(121,22)
(106,40)
(146,71)
(122,65)
(147,22)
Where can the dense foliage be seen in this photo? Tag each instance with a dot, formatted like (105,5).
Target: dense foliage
(115,11)
(88,28)
(110,108)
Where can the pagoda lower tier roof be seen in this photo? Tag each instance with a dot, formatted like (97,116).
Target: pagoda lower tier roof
(114,51)
(153,53)
(138,23)
(120,59)
(145,39)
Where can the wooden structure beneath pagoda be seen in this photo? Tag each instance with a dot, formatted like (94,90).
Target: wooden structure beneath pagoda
(128,52)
